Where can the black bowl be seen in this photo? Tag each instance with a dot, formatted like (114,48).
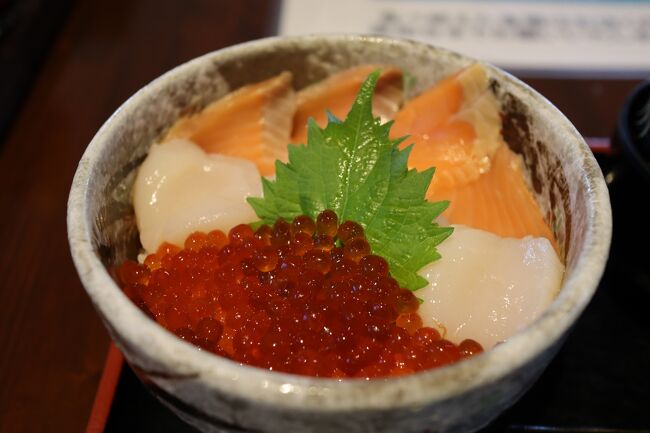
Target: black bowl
(633,133)
(629,184)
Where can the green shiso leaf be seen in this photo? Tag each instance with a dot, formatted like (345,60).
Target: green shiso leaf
(355,169)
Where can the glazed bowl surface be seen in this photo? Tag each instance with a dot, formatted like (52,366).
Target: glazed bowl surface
(218,395)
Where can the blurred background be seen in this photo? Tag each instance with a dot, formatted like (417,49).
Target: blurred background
(557,38)
(66,65)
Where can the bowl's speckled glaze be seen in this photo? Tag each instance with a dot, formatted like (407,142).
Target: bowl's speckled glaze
(218,395)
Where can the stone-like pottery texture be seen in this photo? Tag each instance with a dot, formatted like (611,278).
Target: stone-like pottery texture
(218,395)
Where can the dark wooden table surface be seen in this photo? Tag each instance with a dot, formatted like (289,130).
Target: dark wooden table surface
(52,345)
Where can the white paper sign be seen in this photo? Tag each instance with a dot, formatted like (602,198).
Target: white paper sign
(588,37)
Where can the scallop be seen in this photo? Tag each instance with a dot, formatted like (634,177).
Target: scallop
(488,288)
(180,189)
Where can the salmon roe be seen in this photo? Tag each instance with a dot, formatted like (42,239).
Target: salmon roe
(306,298)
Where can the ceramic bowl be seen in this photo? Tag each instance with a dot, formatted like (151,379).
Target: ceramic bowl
(219,395)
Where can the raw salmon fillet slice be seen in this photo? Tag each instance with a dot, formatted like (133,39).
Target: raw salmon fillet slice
(253,122)
(337,93)
(499,201)
(454,126)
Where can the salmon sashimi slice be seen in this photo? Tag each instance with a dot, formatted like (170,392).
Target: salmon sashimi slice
(455,127)
(499,201)
(253,122)
(337,93)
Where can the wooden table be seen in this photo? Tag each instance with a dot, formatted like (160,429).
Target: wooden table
(52,344)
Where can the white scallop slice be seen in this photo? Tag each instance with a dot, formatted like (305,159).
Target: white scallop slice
(488,288)
(180,189)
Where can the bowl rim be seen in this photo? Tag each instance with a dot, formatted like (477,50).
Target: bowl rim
(321,394)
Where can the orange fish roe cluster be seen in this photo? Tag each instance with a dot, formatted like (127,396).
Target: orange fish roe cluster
(306,298)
